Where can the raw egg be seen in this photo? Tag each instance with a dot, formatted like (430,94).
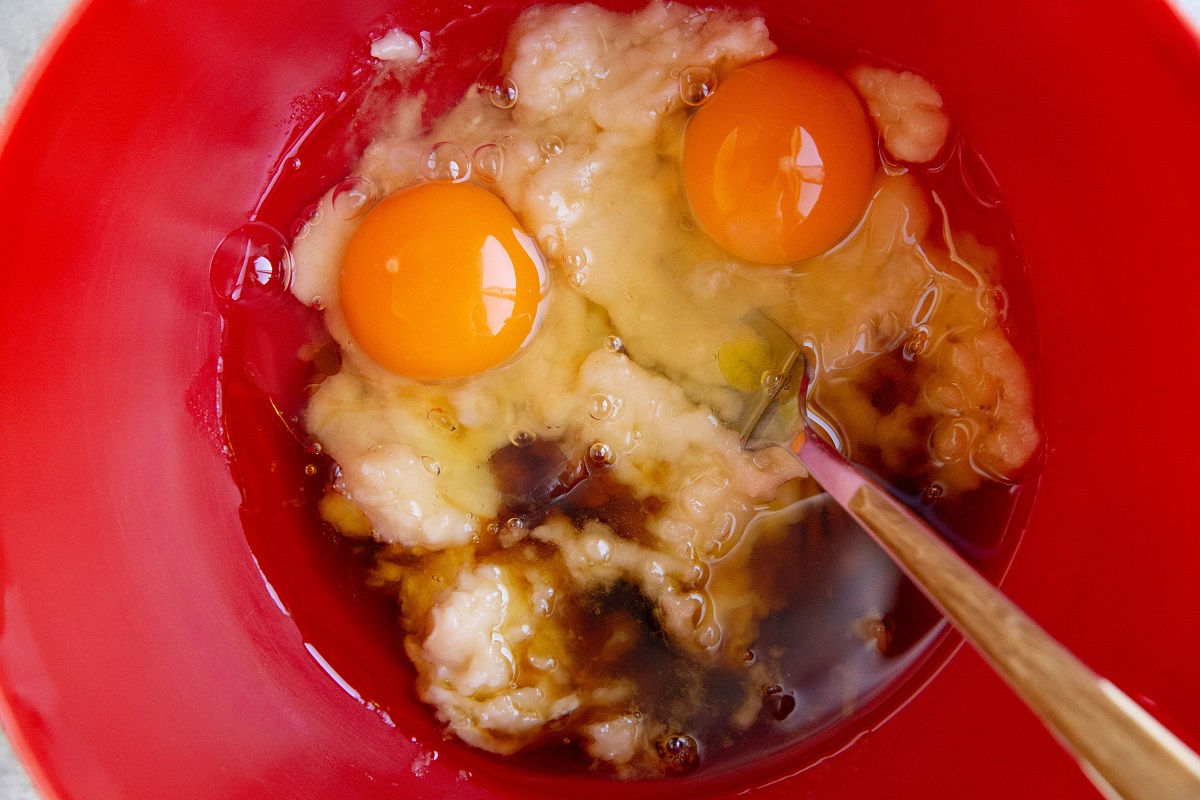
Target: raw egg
(778,164)
(439,282)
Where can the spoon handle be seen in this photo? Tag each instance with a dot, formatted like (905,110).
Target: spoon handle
(1126,752)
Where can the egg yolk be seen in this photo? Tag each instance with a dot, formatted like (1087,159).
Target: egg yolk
(778,164)
(439,282)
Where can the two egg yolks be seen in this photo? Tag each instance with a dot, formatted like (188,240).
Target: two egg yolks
(778,165)
(440,282)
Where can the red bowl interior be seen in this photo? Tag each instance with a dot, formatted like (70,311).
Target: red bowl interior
(141,653)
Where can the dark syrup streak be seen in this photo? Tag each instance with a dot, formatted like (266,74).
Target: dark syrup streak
(835,577)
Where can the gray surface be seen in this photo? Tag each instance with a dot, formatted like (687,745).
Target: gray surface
(24,25)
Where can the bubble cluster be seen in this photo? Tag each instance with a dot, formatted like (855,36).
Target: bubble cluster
(250,266)
(679,754)
(353,197)
(576,266)
(696,85)
(308,217)
(917,343)
(446,162)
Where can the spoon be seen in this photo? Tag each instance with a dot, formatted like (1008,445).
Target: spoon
(1125,752)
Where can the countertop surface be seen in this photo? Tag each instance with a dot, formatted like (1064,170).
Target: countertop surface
(24,26)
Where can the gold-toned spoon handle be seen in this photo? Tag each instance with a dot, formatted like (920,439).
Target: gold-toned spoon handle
(1126,752)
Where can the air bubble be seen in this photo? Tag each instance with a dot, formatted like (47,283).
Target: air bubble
(310,469)
(293,163)
(252,265)
(489,162)
(686,223)
(771,379)
(431,466)
(446,162)
(353,197)
(515,524)
(601,407)
(550,145)
(678,754)
(318,303)
(521,436)
(613,344)
(932,492)
(601,454)
(441,420)
(315,448)
(916,344)
(696,85)
(501,91)
(574,258)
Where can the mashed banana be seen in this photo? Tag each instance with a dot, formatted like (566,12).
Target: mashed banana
(623,389)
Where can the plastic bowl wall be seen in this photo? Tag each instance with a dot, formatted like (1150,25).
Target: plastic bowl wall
(141,654)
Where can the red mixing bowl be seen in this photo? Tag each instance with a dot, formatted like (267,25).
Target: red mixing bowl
(141,652)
